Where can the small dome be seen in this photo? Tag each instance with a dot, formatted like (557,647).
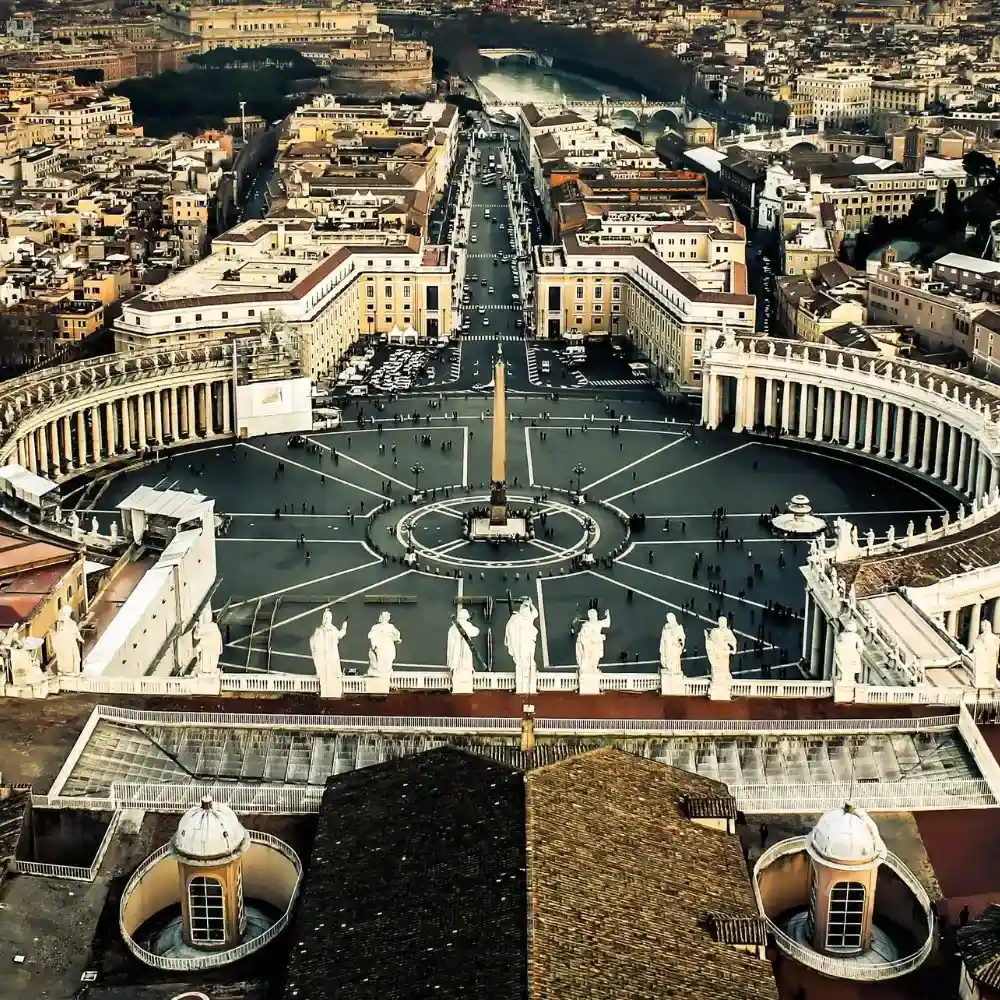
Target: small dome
(209,832)
(846,836)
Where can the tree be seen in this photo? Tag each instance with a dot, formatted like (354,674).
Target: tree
(978,165)
(862,247)
(843,254)
(954,213)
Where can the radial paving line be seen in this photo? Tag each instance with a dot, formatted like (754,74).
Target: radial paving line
(315,472)
(638,461)
(687,468)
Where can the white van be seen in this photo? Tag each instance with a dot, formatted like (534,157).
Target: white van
(326,420)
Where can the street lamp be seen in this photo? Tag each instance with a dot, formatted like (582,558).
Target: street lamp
(579,471)
(416,469)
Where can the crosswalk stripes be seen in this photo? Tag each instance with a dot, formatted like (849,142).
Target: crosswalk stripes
(492,337)
(608,383)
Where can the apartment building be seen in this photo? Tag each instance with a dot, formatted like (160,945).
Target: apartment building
(283,270)
(243,26)
(941,313)
(78,123)
(669,307)
(893,97)
(839,97)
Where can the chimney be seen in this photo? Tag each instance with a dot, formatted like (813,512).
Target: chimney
(527,728)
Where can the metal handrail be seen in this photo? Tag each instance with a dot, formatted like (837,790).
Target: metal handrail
(212,959)
(824,963)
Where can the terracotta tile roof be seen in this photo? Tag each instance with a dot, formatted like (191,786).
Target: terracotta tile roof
(623,886)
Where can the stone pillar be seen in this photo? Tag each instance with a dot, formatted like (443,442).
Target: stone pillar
(32,455)
(963,462)
(787,391)
(820,412)
(81,437)
(55,450)
(911,457)
(742,385)
(838,416)
(227,415)
(170,423)
(199,410)
(156,405)
(940,448)
(991,478)
(95,432)
(111,429)
(126,425)
(883,432)
(803,409)
(43,450)
(69,456)
(952,456)
(897,448)
(192,428)
(828,652)
(925,463)
(975,612)
(869,422)
(951,622)
(22,453)
(852,420)
(769,417)
(816,640)
(140,422)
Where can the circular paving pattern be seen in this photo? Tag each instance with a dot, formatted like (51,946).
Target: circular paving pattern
(563,534)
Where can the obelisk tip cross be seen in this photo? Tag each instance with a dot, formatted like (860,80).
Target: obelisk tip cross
(498,469)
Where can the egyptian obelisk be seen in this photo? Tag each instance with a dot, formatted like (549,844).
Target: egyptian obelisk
(498,468)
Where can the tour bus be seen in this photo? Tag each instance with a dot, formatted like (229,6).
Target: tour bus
(489,178)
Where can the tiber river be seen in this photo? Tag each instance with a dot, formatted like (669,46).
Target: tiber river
(536,84)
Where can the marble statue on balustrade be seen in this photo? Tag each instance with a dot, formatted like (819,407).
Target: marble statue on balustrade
(21,671)
(520,639)
(460,658)
(847,540)
(720,645)
(324,644)
(66,642)
(672,642)
(95,526)
(383,637)
(985,652)
(590,650)
(209,639)
(74,524)
(847,651)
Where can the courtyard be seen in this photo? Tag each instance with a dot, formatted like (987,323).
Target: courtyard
(314,531)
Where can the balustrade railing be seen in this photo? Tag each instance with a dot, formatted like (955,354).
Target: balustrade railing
(209,960)
(829,965)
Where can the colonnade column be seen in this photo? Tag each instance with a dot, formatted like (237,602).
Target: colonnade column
(963,457)
(925,464)
(95,432)
(81,437)
(869,422)
(838,406)
(55,451)
(111,428)
(852,420)
(140,422)
(22,453)
(738,416)
(883,434)
(897,438)
(43,451)
(32,454)
(803,409)
(974,617)
(911,456)
(126,425)
(952,455)
(820,413)
(786,406)
(227,416)
(67,436)
(156,406)
(940,449)
(192,427)
(815,644)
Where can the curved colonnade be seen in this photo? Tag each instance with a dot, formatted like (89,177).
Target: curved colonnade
(74,418)
(930,422)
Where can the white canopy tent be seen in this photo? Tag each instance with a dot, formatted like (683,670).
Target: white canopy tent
(36,491)
(403,335)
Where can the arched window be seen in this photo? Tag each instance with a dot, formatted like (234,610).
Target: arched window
(206,910)
(846,916)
